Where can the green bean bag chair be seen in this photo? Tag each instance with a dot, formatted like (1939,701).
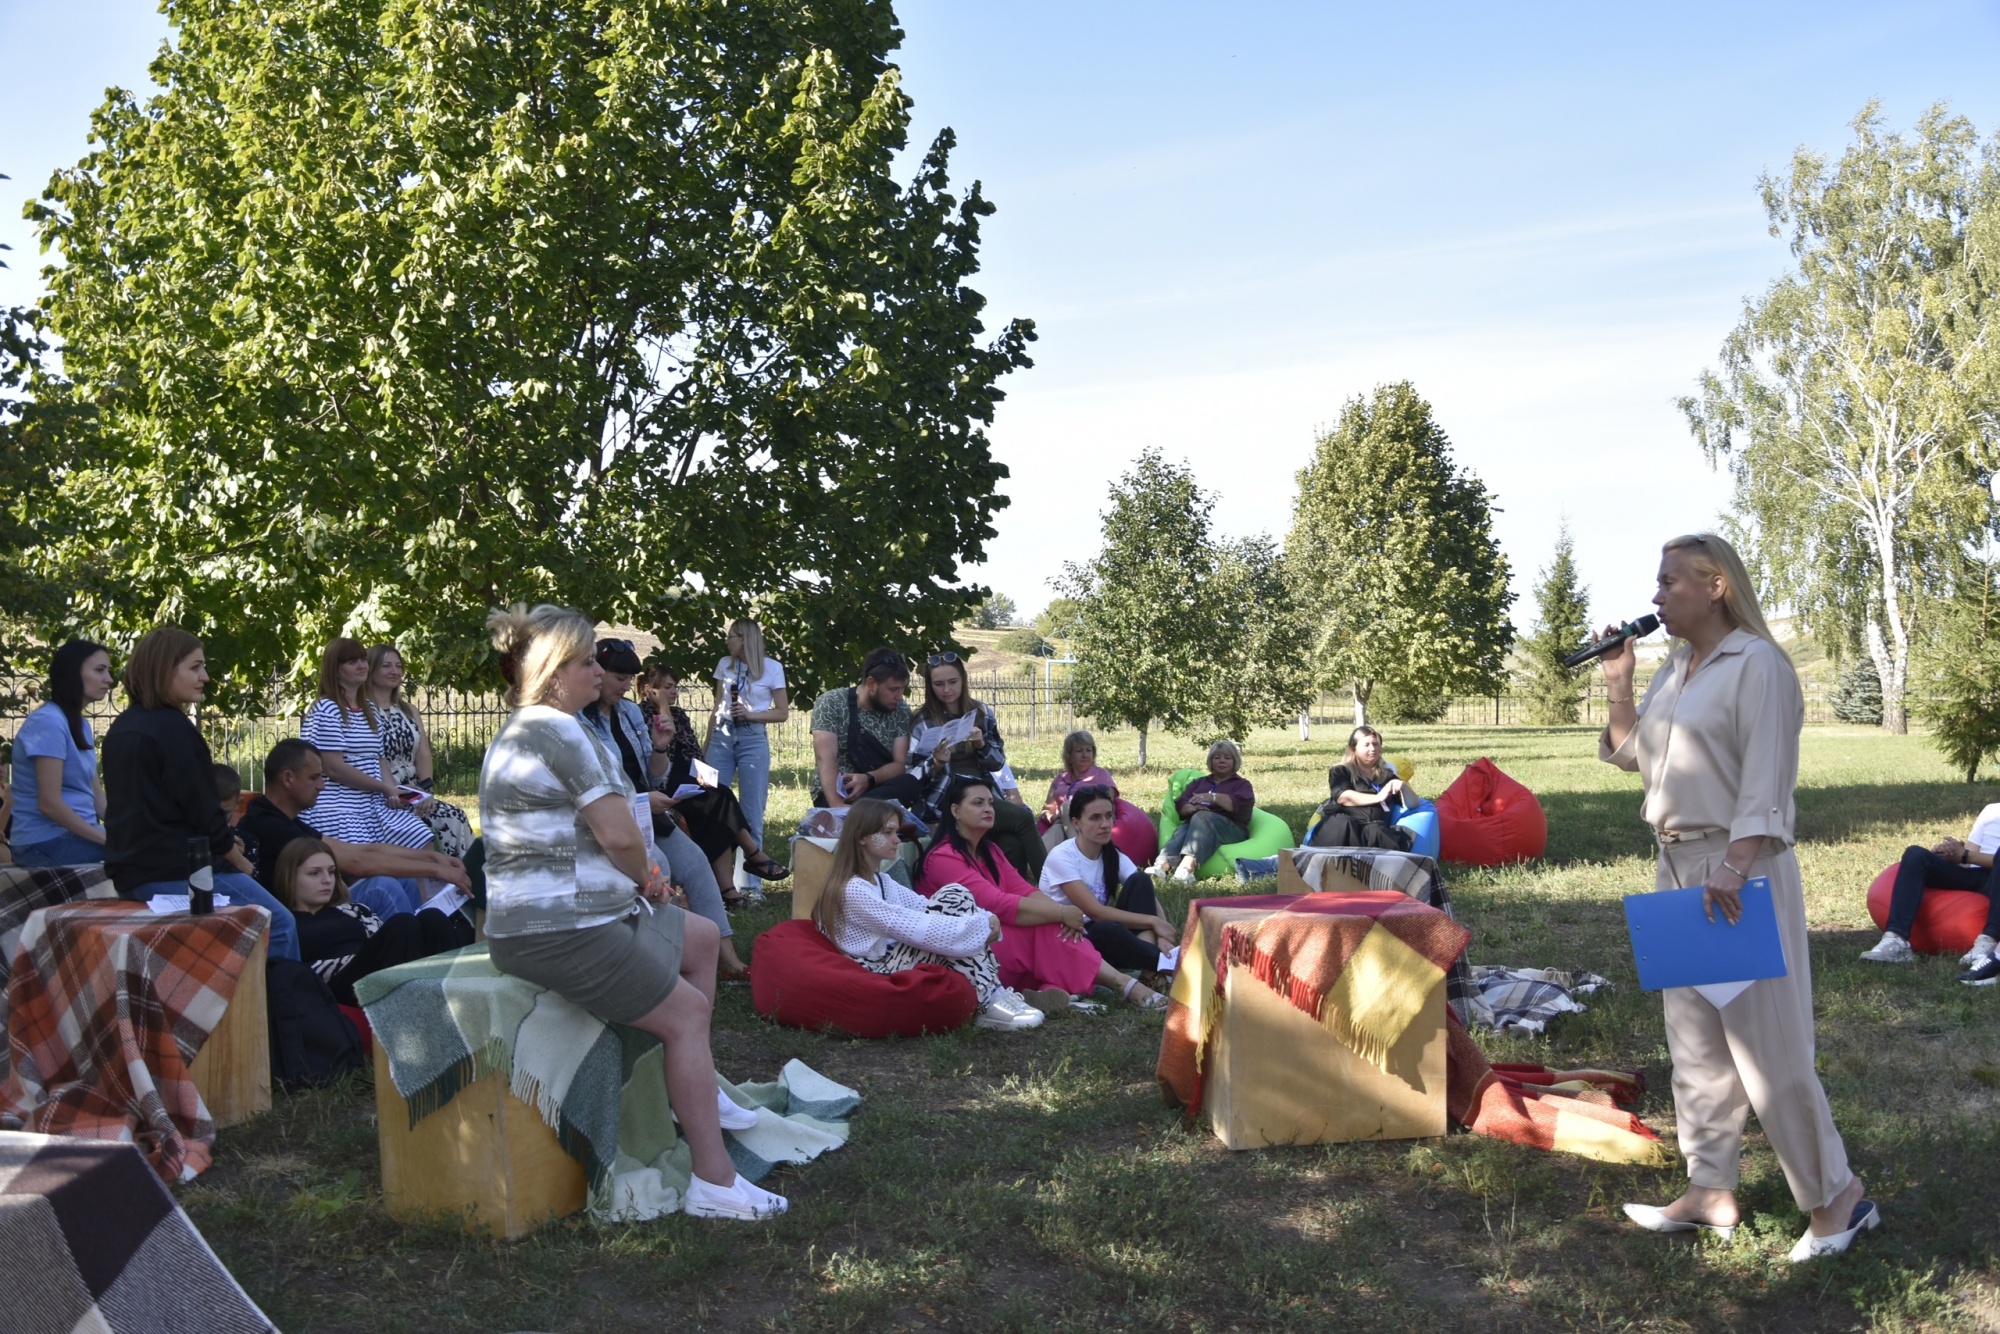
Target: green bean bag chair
(1269,834)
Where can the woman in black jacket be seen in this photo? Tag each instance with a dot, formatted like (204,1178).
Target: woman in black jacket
(342,940)
(159,787)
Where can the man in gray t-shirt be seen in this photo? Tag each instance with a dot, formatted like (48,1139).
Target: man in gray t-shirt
(861,735)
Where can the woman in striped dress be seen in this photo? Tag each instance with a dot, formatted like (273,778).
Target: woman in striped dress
(406,750)
(358,805)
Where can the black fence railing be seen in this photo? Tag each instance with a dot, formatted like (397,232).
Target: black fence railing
(462,723)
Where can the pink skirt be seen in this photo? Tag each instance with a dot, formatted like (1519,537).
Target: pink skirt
(1032,957)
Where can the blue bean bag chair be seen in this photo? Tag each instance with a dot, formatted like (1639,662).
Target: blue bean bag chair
(1423,826)
(1269,835)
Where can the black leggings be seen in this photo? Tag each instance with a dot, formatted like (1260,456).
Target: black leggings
(403,938)
(1120,944)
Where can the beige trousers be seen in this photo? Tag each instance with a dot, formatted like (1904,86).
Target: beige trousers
(1754,1054)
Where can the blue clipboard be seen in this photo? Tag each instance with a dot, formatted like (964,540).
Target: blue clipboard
(1675,945)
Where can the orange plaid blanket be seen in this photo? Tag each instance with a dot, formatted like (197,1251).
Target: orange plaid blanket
(107,1006)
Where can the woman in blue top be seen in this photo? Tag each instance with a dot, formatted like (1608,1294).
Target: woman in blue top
(58,800)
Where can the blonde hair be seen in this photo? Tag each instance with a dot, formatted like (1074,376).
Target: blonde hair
(753,645)
(865,818)
(338,653)
(534,644)
(1229,748)
(1712,558)
(375,656)
(149,672)
(1073,743)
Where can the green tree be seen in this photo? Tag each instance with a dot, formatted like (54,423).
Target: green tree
(995,613)
(1562,624)
(395,310)
(1851,399)
(1147,622)
(1393,557)
(1857,696)
(1262,661)
(1058,620)
(1958,673)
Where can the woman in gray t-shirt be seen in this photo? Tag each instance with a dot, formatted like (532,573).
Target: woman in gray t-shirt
(573,903)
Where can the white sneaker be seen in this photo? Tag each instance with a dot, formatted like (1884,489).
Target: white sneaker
(1008,1013)
(1184,874)
(739,1200)
(1892,948)
(1161,869)
(1981,947)
(734,1116)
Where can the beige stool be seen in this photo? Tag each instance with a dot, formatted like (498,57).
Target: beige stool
(232,1071)
(485,1155)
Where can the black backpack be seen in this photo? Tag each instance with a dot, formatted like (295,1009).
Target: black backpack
(312,1042)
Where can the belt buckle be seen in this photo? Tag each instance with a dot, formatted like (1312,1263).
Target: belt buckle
(1668,837)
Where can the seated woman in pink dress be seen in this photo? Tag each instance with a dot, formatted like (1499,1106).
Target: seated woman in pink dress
(1079,769)
(1042,951)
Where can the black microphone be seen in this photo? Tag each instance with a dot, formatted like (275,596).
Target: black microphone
(1597,648)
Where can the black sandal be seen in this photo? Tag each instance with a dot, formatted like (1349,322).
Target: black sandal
(734,898)
(765,869)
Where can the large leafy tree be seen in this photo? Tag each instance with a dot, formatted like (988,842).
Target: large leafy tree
(395,310)
(1147,618)
(1562,623)
(1854,403)
(1394,560)
(1261,663)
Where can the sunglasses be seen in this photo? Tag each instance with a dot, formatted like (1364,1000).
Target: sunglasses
(1094,792)
(941,660)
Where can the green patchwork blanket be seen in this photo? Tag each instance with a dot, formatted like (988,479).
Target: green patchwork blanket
(451,1020)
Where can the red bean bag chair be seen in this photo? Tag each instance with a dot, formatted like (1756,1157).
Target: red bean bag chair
(1486,818)
(1134,834)
(798,978)
(1948,921)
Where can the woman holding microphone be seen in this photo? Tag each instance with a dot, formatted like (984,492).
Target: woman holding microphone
(1717,742)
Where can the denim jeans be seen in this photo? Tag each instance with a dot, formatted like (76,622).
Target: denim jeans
(1204,832)
(239,888)
(742,757)
(1923,869)
(385,896)
(685,863)
(64,849)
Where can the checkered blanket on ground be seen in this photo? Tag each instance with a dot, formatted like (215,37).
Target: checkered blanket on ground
(24,890)
(94,1243)
(108,1005)
(448,1021)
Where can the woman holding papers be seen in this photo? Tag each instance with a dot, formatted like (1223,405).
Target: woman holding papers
(1717,741)
(954,735)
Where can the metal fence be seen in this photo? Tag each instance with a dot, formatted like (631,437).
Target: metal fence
(463,723)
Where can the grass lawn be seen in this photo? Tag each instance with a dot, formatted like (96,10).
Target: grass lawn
(1036,1181)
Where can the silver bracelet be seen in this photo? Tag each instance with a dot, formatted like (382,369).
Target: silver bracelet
(1744,876)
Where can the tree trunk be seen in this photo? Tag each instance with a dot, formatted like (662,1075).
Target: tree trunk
(1891,653)
(1362,690)
(1142,745)
(1305,722)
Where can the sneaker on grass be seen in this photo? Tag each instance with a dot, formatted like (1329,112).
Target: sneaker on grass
(1982,948)
(1008,1013)
(1892,948)
(1982,974)
(740,1200)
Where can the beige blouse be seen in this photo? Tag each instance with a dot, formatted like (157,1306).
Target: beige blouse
(1720,751)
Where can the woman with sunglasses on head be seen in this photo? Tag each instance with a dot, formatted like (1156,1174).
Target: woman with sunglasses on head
(750,696)
(1125,922)
(981,755)
(889,929)
(1716,740)
(1042,950)
(1367,796)
(60,820)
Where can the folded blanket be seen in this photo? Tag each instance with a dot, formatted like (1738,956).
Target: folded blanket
(450,1020)
(1524,999)
(108,1006)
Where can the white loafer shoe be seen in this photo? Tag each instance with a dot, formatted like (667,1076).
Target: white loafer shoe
(732,1115)
(1865,1216)
(1654,1219)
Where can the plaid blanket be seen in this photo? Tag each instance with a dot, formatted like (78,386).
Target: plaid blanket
(1421,878)
(1353,968)
(107,1006)
(22,892)
(450,1020)
(1524,999)
(94,1242)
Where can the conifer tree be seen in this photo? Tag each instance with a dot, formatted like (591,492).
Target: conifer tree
(1562,624)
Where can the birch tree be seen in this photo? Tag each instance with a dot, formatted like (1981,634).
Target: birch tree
(1854,401)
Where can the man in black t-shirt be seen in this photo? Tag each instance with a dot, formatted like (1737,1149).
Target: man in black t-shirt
(383,876)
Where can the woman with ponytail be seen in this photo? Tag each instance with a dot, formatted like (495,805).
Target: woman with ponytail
(1125,922)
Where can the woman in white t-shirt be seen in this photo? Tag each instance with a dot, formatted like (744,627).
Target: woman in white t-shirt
(889,928)
(1125,922)
(749,696)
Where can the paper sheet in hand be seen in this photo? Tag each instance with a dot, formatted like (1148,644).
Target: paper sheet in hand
(687,790)
(1675,945)
(448,900)
(706,774)
(926,737)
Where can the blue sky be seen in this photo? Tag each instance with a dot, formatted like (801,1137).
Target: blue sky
(1228,220)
